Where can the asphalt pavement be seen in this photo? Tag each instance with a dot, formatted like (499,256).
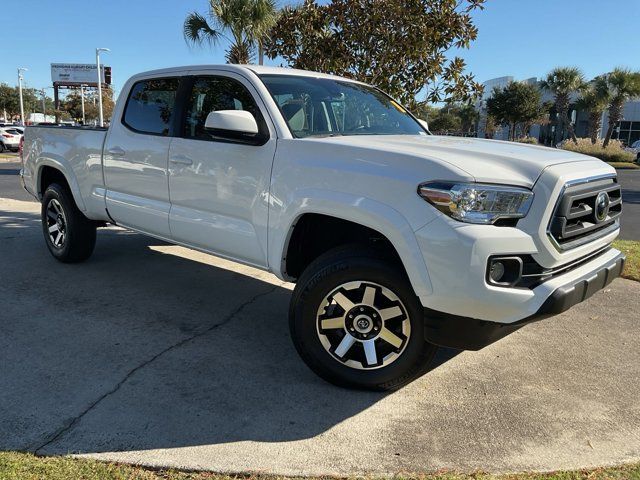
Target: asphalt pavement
(155,354)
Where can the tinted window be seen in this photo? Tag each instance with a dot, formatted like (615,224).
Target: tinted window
(150,105)
(210,94)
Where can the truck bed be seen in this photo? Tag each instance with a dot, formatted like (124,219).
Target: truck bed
(77,152)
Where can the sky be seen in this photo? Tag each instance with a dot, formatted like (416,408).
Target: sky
(519,38)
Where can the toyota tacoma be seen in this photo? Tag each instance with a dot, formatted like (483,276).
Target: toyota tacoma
(398,241)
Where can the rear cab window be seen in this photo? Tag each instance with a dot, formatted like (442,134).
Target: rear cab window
(150,106)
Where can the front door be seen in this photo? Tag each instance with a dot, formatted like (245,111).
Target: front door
(219,188)
(136,157)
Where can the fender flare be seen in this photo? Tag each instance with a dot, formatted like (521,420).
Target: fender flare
(66,172)
(360,210)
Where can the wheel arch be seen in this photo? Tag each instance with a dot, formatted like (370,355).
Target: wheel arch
(359,214)
(50,170)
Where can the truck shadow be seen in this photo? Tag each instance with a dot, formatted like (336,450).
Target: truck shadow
(143,348)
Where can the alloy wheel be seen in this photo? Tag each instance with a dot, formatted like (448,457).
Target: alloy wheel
(56,223)
(363,325)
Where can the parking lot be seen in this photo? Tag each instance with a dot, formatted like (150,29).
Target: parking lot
(155,354)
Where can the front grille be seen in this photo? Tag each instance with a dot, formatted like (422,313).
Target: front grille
(575,219)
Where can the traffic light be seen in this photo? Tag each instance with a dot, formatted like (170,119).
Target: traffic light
(107,75)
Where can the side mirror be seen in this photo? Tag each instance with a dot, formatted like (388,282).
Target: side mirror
(424,124)
(230,123)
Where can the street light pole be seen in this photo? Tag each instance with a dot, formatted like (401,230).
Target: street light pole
(98,50)
(82,101)
(20,78)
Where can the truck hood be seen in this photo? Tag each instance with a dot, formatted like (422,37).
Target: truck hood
(490,161)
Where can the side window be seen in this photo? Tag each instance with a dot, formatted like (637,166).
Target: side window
(150,106)
(217,93)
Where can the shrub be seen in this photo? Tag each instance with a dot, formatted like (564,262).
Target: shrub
(527,139)
(613,153)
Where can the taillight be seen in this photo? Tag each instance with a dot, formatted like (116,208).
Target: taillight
(6,135)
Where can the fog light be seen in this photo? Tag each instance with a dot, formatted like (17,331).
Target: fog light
(504,271)
(497,271)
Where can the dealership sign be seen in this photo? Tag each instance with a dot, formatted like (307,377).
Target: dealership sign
(78,73)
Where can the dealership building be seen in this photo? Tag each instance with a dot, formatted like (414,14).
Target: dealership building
(628,130)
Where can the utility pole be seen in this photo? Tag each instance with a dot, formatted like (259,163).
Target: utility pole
(20,78)
(44,106)
(82,101)
(98,50)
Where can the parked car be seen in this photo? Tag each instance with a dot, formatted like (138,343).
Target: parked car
(397,240)
(9,139)
(635,148)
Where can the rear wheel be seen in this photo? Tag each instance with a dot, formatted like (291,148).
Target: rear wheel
(1,147)
(356,321)
(70,236)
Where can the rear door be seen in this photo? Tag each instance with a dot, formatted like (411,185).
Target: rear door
(136,157)
(220,187)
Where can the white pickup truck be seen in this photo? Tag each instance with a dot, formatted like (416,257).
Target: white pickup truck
(397,240)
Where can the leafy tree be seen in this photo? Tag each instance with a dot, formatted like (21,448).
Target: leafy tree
(401,47)
(426,112)
(561,82)
(244,23)
(9,100)
(445,122)
(31,99)
(517,103)
(490,126)
(468,116)
(594,100)
(454,117)
(71,107)
(622,85)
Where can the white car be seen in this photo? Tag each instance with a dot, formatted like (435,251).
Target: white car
(397,240)
(10,139)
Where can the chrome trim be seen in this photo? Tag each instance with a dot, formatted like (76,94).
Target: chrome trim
(601,233)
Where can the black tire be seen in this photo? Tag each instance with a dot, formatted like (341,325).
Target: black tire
(1,147)
(360,265)
(79,238)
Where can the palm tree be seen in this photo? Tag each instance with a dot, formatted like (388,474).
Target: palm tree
(562,82)
(623,85)
(594,100)
(244,23)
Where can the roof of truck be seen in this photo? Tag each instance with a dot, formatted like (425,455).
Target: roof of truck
(257,69)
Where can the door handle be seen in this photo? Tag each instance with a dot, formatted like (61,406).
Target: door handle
(181,160)
(116,152)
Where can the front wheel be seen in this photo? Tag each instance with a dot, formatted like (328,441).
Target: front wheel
(356,321)
(70,236)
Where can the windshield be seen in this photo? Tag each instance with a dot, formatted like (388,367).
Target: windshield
(327,107)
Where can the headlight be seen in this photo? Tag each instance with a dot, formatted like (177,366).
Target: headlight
(477,202)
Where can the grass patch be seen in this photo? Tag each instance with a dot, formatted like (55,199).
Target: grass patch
(625,165)
(24,466)
(632,249)
(613,153)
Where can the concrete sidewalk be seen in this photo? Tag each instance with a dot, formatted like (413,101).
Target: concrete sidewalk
(155,354)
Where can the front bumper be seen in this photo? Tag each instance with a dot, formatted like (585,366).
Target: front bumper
(468,333)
